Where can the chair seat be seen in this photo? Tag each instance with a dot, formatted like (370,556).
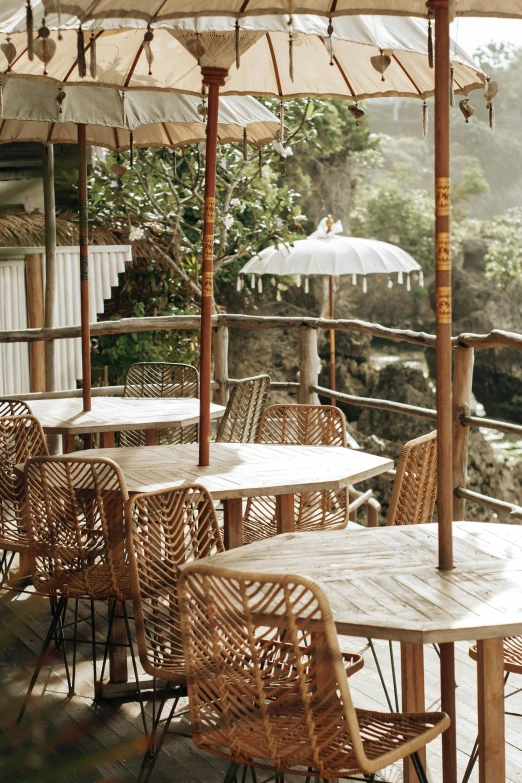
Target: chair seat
(387,736)
(92,583)
(512,654)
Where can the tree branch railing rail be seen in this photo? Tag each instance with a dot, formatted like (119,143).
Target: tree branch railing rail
(308,386)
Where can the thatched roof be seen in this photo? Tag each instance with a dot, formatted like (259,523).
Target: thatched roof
(21,229)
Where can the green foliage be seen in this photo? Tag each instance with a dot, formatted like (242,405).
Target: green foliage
(504,256)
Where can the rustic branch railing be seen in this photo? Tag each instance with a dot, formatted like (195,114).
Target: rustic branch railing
(308,387)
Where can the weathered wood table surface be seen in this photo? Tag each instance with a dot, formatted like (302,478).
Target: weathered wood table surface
(65,417)
(384,583)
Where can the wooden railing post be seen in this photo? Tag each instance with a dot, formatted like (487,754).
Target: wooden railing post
(35,319)
(463,359)
(308,365)
(221,364)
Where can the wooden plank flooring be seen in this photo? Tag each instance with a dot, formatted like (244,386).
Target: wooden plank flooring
(94,733)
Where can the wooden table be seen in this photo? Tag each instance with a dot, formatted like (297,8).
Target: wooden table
(384,583)
(65,417)
(242,470)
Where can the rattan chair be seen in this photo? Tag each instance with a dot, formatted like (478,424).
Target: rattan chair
(165,529)
(77,543)
(243,412)
(158,380)
(21,437)
(415,486)
(297,718)
(311,425)
(14,408)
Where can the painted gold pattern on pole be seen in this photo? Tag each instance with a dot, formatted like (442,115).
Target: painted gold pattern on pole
(443,252)
(442,196)
(210,208)
(443,304)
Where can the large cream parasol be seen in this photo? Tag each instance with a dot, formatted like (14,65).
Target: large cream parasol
(34,111)
(326,252)
(253,58)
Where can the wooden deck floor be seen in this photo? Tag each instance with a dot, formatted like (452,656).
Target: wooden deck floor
(94,733)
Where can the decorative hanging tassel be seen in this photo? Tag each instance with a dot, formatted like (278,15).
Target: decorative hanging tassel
(356,112)
(273,281)
(365,285)
(9,51)
(245,145)
(330,46)
(82,65)
(29,28)
(238,50)
(260,286)
(92,57)
(147,40)
(123,112)
(467,109)
(242,283)
(1,99)
(59,11)
(400,279)
(238,284)
(253,281)
(354,279)
(298,281)
(380,62)
(306,286)
(408,283)
(131,149)
(452,87)
(281,121)
(278,295)
(60,99)
(489,94)
(424,120)
(44,47)
(291,55)
(430,44)
(174,162)
(421,279)
(390,283)
(260,162)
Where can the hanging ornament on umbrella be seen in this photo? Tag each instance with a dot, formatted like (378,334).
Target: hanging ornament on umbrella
(329,42)
(381,62)
(93,68)
(60,99)
(8,49)
(29,28)
(44,47)
(147,40)
(466,108)
(424,119)
(356,112)
(489,94)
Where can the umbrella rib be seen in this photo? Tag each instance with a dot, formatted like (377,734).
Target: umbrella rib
(406,72)
(116,142)
(133,66)
(333,7)
(51,131)
(163,125)
(2,127)
(341,71)
(244,6)
(71,69)
(274,63)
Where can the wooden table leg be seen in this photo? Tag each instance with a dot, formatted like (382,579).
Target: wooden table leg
(233,522)
(285,513)
(107,440)
(68,444)
(448,705)
(151,437)
(117,651)
(413,700)
(491,728)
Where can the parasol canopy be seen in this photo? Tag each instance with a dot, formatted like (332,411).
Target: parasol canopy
(266,65)
(327,252)
(162,10)
(30,112)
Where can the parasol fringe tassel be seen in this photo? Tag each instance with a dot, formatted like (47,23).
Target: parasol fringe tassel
(424,120)
(1,99)
(430,44)
(281,121)
(354,279)
(82,65)
(491,116)
(421,279)
(306,286)
(253,281)
(291,55)
(260,163)
(452,87)
(245,145)
(408,283)
(331,44)
(273,281)
(259,286)
(365,285)
(59,11)
(400,279)
(29,28)
(238,50)
(92,57)
(390,283)
(131,149)
(238,284)
(123,112)
(298,281)
(149,54)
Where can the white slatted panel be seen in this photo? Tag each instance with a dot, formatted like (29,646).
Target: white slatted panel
(105,263)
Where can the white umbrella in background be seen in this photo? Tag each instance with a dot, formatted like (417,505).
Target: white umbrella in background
(35,111)
(327,253)
(260,56)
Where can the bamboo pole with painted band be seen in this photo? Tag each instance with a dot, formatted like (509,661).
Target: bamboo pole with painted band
(213,78)
(84,266)
(332,337)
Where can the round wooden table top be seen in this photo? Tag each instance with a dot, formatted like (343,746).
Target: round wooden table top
(384,582)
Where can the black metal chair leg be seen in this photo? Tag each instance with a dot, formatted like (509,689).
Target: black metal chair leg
(41,658)
(230,777)
(419,768)
(5,565)
(394,678)
(472,761)
(150,758)
(62,646)
(385,689)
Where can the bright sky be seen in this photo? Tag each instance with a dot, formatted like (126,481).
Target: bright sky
(474,33)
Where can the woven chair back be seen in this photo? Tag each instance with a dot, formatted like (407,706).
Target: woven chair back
(21,437)
(75,521)
(157,380)
(415,486)
(306,425)
(247,702)
(14,408)
(166,529)
(247,400)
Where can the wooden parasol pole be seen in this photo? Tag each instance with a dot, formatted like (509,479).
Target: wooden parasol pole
(332,336)
(444,358)
(84,266)
(213,78)
(50,260)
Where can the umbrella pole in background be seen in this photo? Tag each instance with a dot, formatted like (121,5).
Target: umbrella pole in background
(84,266)
(444,359)
(213,78)
(332,335)
(50,260)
